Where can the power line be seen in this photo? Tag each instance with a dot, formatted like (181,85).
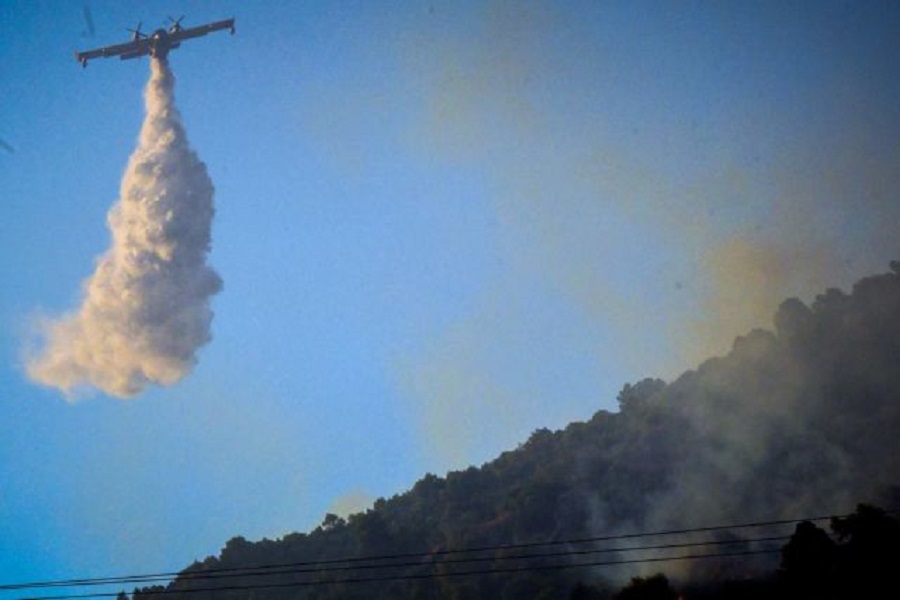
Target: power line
(425,555)
(318,568)
(306,568)
(323,565)
(415,577)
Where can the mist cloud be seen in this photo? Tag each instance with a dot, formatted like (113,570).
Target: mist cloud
(145,310)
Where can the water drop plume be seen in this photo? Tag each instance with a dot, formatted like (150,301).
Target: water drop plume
(145,310)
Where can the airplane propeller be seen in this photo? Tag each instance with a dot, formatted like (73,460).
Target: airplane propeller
(176,23)
(138,34)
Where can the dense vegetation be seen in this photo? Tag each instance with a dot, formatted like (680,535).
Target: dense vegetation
(791,424)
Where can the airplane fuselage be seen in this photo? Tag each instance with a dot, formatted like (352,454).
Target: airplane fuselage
(160,44)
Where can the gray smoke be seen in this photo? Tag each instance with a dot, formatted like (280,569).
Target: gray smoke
(145,310)
(797,422)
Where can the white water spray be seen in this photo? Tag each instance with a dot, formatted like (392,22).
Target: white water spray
(146,308)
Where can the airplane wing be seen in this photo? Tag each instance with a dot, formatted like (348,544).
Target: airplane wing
(192,32)
(128,50)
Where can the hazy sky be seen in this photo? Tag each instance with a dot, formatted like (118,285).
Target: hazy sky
(440,226)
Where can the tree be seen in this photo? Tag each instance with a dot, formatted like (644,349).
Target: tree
(869,555)
(586,592)
(636,396)
(861,561)
(648,588)
(332,521)
(808,561)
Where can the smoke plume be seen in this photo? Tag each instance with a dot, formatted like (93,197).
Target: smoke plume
(145,310)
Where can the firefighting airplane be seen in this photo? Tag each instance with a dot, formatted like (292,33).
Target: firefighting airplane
(156,44)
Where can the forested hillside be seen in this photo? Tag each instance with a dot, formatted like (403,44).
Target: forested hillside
(793,423)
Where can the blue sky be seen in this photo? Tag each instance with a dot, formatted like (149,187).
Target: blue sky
(440,226)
